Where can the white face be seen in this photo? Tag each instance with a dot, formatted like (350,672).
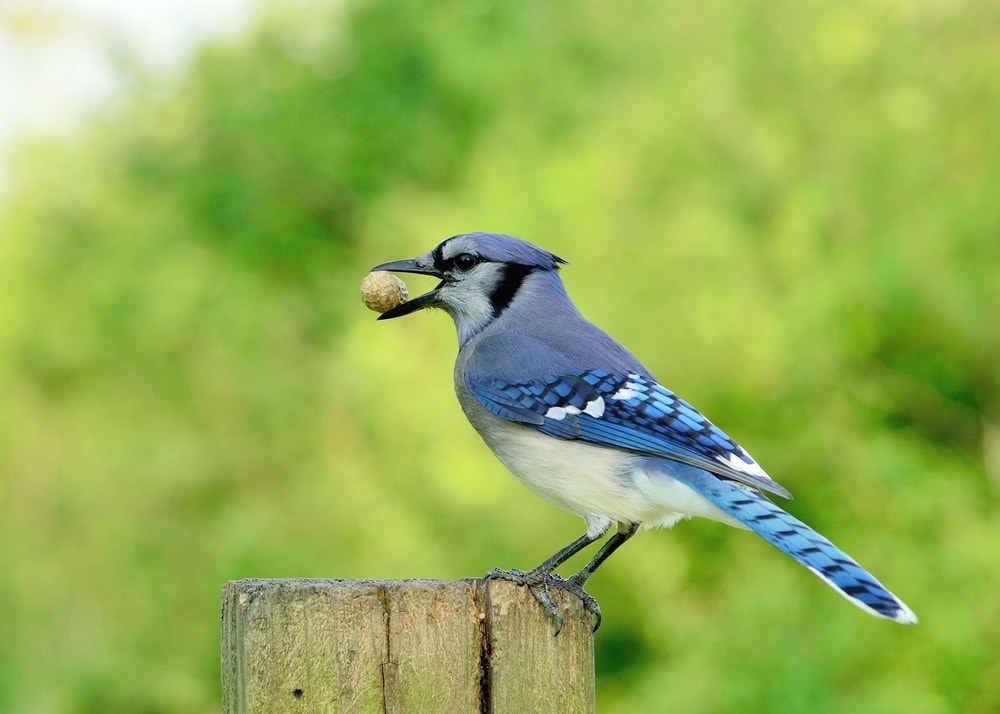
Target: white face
(470,286)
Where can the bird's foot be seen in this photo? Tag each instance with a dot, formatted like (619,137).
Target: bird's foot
(539,582)
(571,585)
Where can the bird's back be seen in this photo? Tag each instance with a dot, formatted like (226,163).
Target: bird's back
(542,334)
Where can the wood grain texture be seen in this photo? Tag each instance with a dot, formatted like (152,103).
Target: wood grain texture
(303,645)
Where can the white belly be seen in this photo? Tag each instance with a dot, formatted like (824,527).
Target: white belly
(603,485)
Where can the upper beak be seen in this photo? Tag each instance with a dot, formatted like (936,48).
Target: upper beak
(422,265)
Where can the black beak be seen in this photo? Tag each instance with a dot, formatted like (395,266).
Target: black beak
(423,265)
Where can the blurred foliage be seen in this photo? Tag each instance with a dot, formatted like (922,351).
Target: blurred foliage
(787,210)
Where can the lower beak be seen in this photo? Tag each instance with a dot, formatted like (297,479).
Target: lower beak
(423,265)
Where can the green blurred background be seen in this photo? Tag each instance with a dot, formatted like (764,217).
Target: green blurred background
(790,211)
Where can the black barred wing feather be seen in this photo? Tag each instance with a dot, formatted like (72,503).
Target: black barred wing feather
(628,412)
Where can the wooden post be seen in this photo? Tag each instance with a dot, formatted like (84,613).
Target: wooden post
(401,646)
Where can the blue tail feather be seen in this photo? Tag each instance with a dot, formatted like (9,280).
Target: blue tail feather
(789,534)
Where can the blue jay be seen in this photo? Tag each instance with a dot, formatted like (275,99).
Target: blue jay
(582,423)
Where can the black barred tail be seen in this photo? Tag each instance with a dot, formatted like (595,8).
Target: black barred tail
(794,537)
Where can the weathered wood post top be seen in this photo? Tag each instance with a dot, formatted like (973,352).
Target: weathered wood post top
(303,645)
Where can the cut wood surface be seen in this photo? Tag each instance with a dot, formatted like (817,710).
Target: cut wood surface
(304,645)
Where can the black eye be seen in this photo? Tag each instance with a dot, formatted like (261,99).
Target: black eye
(465,261)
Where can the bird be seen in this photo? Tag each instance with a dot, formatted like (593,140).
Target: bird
(585,425)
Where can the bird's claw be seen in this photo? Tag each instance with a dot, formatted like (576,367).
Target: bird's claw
(589,601)
(539,584)
(516,576)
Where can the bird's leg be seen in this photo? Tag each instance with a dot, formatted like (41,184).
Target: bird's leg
(575,583)
(539,579)
(538,575)
(624,532)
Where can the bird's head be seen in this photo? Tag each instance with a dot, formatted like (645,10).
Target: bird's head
(481,274)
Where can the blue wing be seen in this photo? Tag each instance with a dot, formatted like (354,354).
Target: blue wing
(628,412)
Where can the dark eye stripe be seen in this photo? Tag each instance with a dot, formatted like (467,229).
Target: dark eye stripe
(448,264)
(439,257)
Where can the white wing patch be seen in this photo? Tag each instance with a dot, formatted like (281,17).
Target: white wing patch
(594,408)
(630,389)
(559,413)
(737,464)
